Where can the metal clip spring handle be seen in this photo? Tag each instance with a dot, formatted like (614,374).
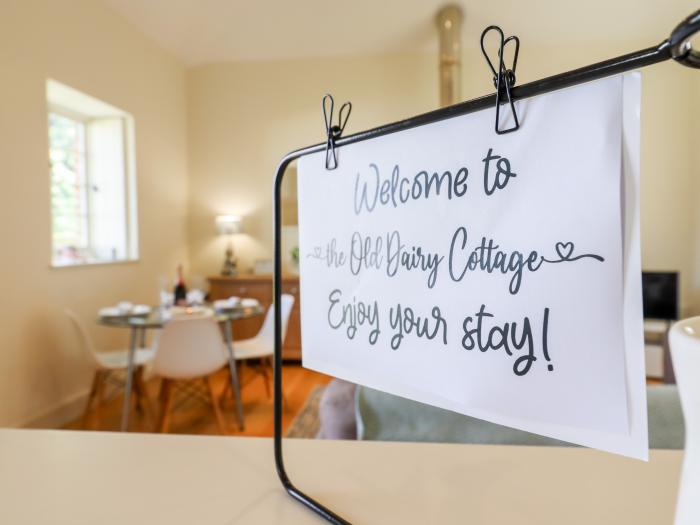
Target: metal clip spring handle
(333,133)
(503,78)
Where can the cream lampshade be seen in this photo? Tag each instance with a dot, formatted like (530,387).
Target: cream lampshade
(229,225)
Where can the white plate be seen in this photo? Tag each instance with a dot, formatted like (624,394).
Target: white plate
(110,311)
(249,302)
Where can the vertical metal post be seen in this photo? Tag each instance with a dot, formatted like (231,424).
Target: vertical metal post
(235,384)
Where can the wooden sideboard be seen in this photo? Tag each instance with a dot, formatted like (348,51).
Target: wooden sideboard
(260,287)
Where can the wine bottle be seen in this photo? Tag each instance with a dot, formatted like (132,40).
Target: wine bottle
(180,294)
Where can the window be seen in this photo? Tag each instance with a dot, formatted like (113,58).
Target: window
(93,212)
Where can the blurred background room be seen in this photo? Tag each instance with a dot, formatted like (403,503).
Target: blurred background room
(139,143)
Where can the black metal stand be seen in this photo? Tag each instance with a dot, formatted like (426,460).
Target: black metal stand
(676,47)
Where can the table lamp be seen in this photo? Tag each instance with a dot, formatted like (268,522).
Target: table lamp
(229,225)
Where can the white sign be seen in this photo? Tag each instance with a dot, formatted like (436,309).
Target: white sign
(497,276)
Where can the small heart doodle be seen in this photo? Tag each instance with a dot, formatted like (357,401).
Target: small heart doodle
(564,250)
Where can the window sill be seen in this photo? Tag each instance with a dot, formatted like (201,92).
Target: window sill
(95,263)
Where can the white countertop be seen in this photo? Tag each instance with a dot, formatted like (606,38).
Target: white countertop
(65,477)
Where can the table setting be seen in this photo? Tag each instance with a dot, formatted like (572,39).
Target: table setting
(139,318)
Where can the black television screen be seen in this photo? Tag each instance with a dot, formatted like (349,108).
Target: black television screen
(660,295)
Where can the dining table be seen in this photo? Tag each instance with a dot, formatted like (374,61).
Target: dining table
(157,318)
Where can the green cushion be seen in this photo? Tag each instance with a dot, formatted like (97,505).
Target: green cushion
(385,417)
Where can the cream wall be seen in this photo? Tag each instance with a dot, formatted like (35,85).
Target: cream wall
(670,168)
(208,140)
(694,103)
(243,117)
(86,46)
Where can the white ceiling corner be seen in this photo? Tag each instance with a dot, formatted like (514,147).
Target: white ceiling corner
(205,31)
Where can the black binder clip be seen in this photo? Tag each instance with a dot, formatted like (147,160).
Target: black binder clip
(504,79)
(333,133)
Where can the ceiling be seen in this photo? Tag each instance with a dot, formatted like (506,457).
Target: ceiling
(205,31)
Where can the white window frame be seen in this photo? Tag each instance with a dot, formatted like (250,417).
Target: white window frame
(130,197)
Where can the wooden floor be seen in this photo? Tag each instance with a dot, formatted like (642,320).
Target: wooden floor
(196,417)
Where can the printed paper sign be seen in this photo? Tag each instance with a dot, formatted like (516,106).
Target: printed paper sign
(493,275)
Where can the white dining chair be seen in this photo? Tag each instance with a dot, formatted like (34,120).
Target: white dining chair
(261,347)
(108,367)
(190,348)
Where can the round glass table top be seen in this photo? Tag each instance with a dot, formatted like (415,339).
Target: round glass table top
(159,316)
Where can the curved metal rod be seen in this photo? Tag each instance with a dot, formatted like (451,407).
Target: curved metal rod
(681,48)
(298,495)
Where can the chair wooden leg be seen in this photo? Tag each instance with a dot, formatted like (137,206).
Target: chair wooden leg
(215,406)
(99,397)
(267,362)
(227,388)
(96,379)
(166,400)
(137,391)
(143,402)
